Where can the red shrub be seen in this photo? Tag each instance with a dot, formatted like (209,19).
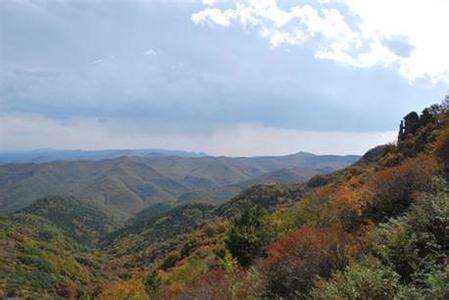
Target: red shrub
(293,263)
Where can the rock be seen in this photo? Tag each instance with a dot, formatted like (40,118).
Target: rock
(409,125)
(374,154)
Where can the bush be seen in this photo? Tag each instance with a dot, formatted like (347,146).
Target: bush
(217,284)
(438,284)
(46,235)
(38,262)
(41,280)
(417,242)
(359,282)
(442,149)
(394,188)
(391,159)
(152,282)
(293,263)
(170,260)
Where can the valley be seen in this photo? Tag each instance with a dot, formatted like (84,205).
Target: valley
(125,185)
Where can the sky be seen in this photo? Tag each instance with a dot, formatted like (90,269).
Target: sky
(236,78)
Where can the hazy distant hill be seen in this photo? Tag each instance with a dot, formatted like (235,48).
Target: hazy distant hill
(47,155)
(300,160)
(121,185)
(125,185)
(219,194)
(206,172)
(295,168)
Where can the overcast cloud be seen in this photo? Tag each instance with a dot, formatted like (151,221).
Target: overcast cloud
(224,77)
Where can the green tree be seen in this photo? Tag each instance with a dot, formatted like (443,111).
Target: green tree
(247,236)
(152,282)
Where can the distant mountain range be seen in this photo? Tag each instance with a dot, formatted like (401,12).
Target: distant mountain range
(46,155)
(125,185)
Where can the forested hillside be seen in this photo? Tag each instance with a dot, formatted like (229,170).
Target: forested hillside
(378,229)
(45,256)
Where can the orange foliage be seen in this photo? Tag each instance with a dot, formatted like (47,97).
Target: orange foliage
(442,145)
(218,284)
(308,239)
(293,263)
(350,194)
(208,286)
(173,290)
(420,164)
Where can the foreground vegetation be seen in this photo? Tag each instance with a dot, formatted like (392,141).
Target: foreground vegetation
(378,229)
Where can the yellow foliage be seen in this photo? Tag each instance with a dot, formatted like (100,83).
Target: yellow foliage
(124,289)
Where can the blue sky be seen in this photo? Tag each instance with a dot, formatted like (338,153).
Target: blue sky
(225,77)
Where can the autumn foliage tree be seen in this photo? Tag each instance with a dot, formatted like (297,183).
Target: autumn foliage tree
(293,263)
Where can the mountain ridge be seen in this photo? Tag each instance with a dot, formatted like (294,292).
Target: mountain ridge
(124,185)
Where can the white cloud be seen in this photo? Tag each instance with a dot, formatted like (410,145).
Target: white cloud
(214,16)
(150,52)
(20,131)
(104,59)
(209,2)
(355,35)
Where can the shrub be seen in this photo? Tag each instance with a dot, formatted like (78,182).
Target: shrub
(170,260)
(438,284)
(67,291)
(46,235)
(417,242)
(217,284)
(38,262)
(394,187)
(293,263)
(152,282)
(391,159)
(442,149)
(359,282)
(41,280)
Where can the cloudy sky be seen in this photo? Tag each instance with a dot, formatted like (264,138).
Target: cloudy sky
(245,77)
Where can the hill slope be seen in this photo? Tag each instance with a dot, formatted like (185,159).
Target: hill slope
(38,260)
(77,220)
(375,230)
